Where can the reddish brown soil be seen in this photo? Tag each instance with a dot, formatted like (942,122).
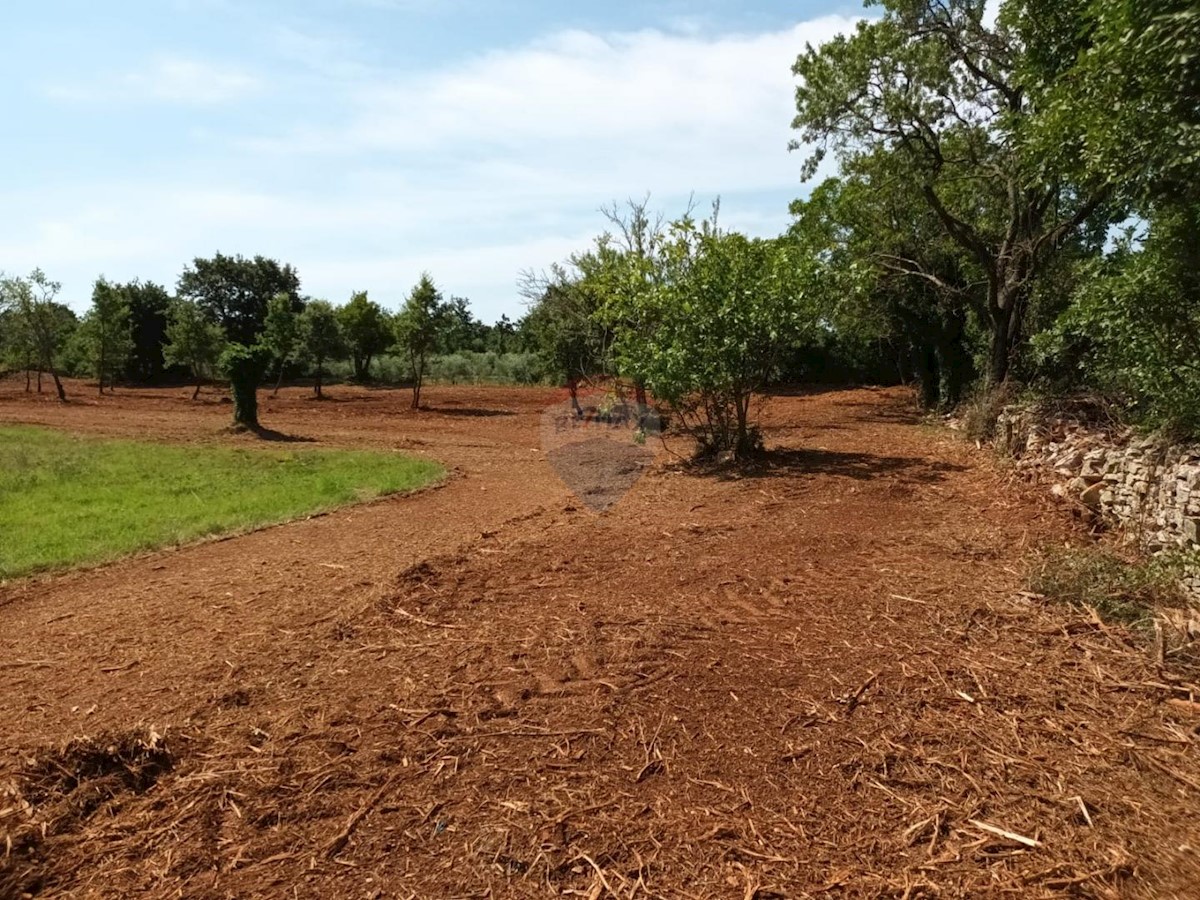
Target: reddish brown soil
(819,678)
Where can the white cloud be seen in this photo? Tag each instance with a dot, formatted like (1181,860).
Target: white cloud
(473,171)
(615,93)
(165,79)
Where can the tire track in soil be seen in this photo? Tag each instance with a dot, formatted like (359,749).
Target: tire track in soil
(818,680)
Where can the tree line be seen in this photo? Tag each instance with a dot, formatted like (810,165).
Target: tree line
(243,319)
(1015,203)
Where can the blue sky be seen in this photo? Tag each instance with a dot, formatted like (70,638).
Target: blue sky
(365,141)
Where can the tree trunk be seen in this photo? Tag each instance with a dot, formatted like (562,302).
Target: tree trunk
(925,363)
(418,368)
(196,392)
(317,382)
(1001,348)
(245,402)
(279,380)
(245,367)
(999,311)
(28,380)
(573,390)
(39,380)
(1006,307)
(58,386)
(742,445)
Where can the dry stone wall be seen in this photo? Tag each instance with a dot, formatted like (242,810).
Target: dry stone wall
(1146,486)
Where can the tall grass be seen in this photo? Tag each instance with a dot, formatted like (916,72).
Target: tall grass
(67,500)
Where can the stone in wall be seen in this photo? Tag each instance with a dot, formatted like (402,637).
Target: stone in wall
(1146,486)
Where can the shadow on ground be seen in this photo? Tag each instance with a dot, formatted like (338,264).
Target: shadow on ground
(468,411)
(279,437)
(862,466)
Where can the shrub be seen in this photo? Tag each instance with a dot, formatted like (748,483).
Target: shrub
(1119,590)
(982,409)
(1133,326)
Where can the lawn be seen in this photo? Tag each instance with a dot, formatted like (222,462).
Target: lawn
(67,500)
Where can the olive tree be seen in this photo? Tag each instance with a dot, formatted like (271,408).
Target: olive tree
(106,331)
(40,326)
(279,334)
(319,338)
(245,366)
(724,308)
(564,324)
(193,342)
(418,327)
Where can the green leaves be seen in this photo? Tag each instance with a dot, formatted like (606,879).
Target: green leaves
(319,333)
(1133,327)
(1124,109)
(235,292)
(193,341)
(419,326)
(704,333)
(106,331)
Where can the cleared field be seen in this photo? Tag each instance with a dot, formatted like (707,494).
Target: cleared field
(821,678)
(66,500)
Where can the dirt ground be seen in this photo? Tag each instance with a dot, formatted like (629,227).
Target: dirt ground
(820,678)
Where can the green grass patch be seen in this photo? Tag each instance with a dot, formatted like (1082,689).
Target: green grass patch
(67,500)
(1119,590)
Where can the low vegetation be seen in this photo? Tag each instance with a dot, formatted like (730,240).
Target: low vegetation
(67,500)
(1119,590)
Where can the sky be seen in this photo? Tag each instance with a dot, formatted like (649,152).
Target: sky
(368,141)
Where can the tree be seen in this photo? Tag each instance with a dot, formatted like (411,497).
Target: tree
(724,306)
(419,326)
(192,341)
(41,326)
(955,99)
(279,334)
(1133,327)
(245,367)
(871,236)
(16,343)
(105,332)
(367,330)
(149,304)
(1123,107)
(502,336)
(628,261)
(319,337)
(236,292)
(563,324)
(460,329)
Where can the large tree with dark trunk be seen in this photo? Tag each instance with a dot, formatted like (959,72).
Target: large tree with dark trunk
(236,292)
(956,99)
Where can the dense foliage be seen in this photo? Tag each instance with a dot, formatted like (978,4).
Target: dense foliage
(1012,198)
